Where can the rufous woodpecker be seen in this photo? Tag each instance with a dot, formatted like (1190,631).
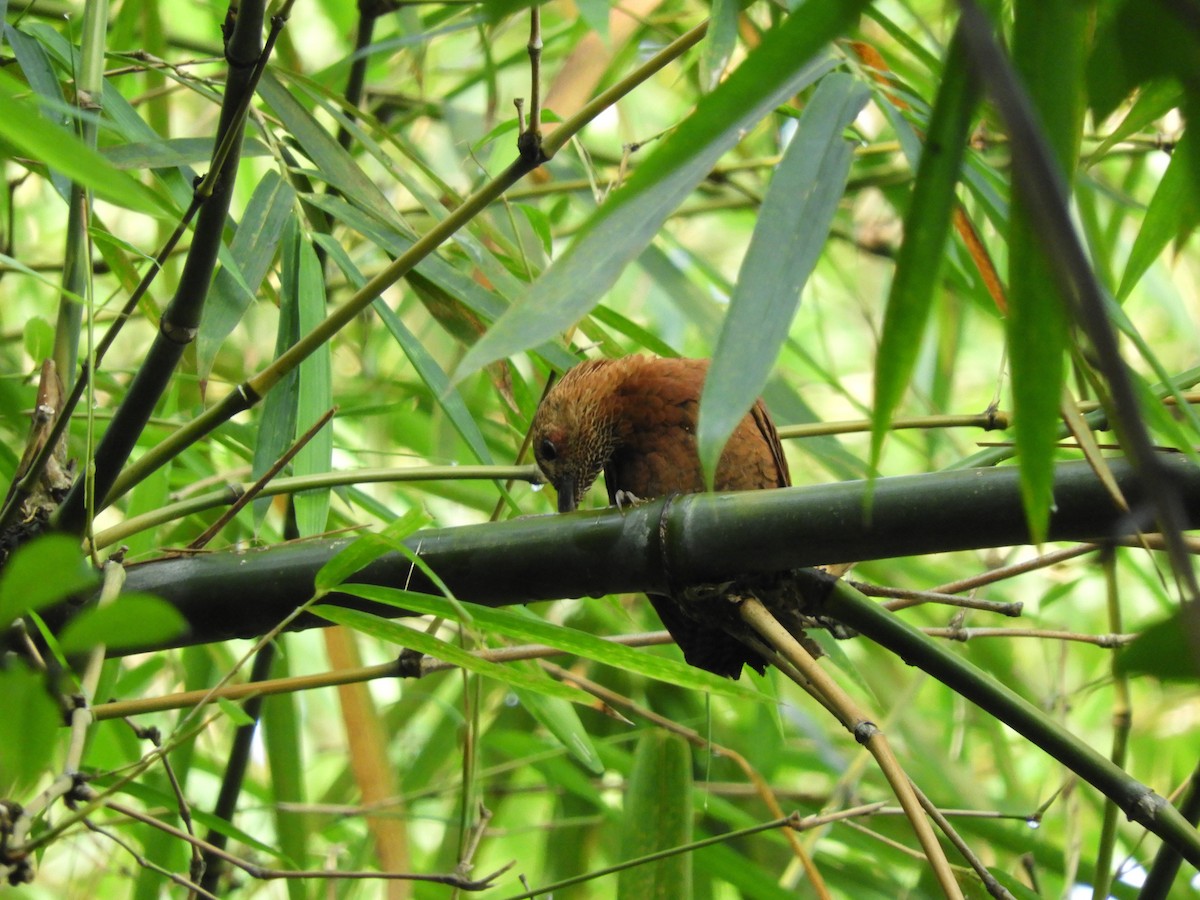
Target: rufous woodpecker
(635,419)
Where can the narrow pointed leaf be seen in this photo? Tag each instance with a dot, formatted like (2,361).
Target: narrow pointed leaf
(788,238)
(926,228)
(561,719)
(1174,209)
(252,250)
(413,639)
(37,138)
(788,59)
(1049,51)
(315,392)
(527,628)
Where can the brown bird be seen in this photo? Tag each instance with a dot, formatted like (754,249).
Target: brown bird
(635,420)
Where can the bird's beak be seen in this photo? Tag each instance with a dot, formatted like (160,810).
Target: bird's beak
(566,494)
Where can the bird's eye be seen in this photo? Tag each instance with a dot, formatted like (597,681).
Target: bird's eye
(548,450)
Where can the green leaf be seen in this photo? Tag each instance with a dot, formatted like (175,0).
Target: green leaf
(39,338)
(281,731)
(1049,50)
(162,799)
(333,164)
(412,639)
(1174,209)
(131,621)
(718,42)
(595,15)
(422,360)
(365,549)
(36,137)
(315,396)
(24,586)
(234,712)
(277,427)
(926,227)
(524,626)
(172,153)
(788,59)
(1168,650)
(1143,40)
(252,250)
(561,720)
(31,720)
(658,816)
(788,238)
(1153,102)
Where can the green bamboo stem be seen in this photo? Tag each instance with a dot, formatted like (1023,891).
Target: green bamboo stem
(181,319)
(89,87)
(697,538)
(1166,862)
(1137,801)
(1122,720)
(340,478)
(1038,182)
(252,391)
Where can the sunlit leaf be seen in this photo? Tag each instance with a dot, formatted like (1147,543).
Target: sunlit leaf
(785,62)
(24,586)
(792,227)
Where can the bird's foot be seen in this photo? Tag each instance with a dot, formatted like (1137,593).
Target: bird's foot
(627,500)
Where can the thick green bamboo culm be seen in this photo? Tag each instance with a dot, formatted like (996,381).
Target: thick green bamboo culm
(181,319)
(711,538)
(657,546)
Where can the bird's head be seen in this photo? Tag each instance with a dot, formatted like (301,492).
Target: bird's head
(574,431)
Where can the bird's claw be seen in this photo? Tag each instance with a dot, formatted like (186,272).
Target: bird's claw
(626,499)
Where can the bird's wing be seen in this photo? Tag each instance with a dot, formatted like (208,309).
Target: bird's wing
(705,646)
(767,428)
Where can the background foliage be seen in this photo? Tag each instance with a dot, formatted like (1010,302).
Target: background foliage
(815,194)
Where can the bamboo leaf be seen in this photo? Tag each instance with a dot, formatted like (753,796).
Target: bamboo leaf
(561,720)
(422,361)
(926,228)
(251,251)
(315,395)
(33,136)
(785,62)
(333,164)
(1049,50)
(132,620)
(367,548)
(277,425)
(1174,210)
(528,628)
(285,756)
(658,816)
(718,42)
(412,639)
(1168,649)
(27,710)
(788,238)
(24,587)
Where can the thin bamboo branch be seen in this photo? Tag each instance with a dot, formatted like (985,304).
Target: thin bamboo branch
(402,666)
(856,721)
(1137,801)
(231,494)
(252,391)
(181,319)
